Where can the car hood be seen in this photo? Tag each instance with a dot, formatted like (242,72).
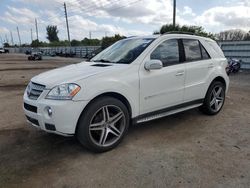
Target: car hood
(73,73)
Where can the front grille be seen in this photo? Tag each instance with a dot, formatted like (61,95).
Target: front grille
(32,120)
(30,107)
(34,90)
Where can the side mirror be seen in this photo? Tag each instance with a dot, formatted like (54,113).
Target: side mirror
(153,64)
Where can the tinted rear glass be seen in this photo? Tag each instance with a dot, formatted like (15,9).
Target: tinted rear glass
(192,49)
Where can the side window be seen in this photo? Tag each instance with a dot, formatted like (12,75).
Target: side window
(192,49)
(167,52)
(204,53)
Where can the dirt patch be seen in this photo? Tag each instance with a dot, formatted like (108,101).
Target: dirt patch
(28,68)
(12,87)
(188,149)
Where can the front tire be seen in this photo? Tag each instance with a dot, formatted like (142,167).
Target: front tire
(103,124)
(214,99)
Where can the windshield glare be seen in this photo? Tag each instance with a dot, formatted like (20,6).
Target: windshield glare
(124,51)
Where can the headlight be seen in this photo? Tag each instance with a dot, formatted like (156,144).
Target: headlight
(63,92)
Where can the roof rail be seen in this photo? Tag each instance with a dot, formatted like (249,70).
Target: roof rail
(179,32)
(131,36)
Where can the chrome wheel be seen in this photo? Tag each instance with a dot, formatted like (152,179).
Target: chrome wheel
(217,98)
(107,125)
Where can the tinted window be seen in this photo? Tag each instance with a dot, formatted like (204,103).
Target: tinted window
(204,53)
(192,49)
(167,52)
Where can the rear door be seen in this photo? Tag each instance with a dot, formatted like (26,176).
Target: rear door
(198,67)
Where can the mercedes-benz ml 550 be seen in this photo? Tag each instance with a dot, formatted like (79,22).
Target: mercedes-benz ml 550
(135,80)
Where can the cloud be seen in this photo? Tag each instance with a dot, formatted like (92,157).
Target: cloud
(188,11)
(126,17)
(218,18)
(80,28)
(130,11)
(22,11)
(18,15)
(3,30)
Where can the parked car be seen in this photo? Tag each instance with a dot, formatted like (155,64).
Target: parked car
(35,56)
(234,65)
(135,80)
(28,52)
(2,50)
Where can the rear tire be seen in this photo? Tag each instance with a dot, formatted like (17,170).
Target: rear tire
(103,124)
(215,98)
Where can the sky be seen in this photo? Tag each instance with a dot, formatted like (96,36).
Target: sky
(109,17)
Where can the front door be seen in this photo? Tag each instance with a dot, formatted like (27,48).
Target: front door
(162,88)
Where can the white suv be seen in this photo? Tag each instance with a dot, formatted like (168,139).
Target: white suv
(135,80)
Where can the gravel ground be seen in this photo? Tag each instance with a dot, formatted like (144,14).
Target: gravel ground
(188,149)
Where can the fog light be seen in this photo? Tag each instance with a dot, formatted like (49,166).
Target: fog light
(49,110)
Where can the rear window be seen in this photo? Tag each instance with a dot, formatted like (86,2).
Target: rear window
(204,53)
(192,49)
(216,49)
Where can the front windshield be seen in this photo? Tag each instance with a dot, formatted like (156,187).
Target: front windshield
(124,51)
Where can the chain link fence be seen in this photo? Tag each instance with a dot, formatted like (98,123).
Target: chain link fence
(78,51)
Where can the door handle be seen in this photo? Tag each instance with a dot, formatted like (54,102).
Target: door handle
(211,65)
(179,73)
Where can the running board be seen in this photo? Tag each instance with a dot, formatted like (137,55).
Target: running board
(167,113)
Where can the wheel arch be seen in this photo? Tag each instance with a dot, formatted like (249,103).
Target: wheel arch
(115,95)
(220,79)
(217,78)
(118,96)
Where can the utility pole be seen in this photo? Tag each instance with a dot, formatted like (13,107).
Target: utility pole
(18,36)
(31,35)
(174,12)
(36,30)
(6,38)
(89,34)
(67,24)
(1,40)
(11,36)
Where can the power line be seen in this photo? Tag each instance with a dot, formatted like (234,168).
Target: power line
(93,7)
(57,14)
(87,9)
(117,8)
(103,7)
(90,8)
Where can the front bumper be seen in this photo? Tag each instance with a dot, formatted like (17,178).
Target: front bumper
(64,117)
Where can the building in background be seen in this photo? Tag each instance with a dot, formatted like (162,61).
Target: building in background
(237,49)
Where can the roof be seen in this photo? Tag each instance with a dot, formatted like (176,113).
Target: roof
(178,34)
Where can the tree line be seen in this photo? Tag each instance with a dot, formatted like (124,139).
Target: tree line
(52,36)
(233,34)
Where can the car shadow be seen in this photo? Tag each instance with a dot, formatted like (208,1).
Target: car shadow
(26,150)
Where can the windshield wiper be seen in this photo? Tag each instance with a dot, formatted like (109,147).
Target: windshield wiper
(103,60)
